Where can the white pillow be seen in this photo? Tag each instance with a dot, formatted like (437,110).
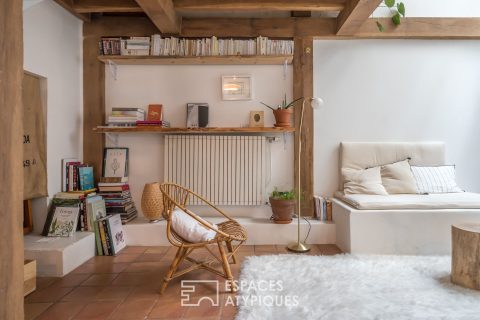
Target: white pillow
(398,178)
(368,181)
(190,229)
(439,179)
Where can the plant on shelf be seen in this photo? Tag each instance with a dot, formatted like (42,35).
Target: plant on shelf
(283,112)
(283,205)
(397,10)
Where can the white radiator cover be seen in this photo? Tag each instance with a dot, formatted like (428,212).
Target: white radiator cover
(225,169)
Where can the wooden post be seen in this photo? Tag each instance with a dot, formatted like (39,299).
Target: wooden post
(94,79)
(11,155)
(303,87)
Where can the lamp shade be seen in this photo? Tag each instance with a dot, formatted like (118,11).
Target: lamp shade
(152,201)
(317,103)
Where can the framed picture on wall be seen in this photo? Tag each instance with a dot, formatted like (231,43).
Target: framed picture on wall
(238,87)
(115,162)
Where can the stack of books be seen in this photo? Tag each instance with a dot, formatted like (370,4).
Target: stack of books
(76,176)
(80,199)
(121,117)
(323,208)
(118,199)
(125,46)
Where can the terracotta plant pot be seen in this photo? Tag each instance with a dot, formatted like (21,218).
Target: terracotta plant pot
(283,117)
(282,210)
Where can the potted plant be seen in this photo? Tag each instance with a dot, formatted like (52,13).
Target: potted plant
(283,112)
(283,205)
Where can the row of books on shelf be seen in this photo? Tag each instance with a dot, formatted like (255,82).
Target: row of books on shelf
(131,117)
(76,176)
(155,45)
(322,208)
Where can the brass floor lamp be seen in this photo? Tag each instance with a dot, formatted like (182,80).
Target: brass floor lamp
(299,246)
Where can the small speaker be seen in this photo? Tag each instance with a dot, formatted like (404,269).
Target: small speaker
(197,115)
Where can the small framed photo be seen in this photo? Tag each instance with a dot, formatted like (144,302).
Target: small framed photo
(237,87)
(256,119)
(115,162)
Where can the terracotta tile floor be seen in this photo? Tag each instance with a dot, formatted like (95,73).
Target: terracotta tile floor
(127,286)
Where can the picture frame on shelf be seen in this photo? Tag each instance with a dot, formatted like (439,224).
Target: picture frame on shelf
(256,119)
(237,87)
(115,162)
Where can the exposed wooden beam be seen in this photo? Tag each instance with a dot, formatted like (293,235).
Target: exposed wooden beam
(94,79)
(303,87)
(11,153)
(91,6)
(259,5)
(68,5)
(163,15)
(325,28)
(356,12)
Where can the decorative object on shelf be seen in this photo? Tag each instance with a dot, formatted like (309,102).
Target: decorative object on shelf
(237,87)
(396,12)
(283,205)
(115,162)
(197,115)
(152,202)
(298,246)
(256,119)
(283,113)
(155,112)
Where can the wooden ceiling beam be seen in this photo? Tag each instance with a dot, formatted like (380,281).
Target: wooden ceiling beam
(69,6)
(163,15)
(356,12)
(325,28)
(98,6)
(259,5)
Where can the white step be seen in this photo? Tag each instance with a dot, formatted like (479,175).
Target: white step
(57,256)
(140,232)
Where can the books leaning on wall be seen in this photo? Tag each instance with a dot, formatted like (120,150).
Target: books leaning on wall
(76,176)
(109,236)
(118,200)
(82,199)
(173,46)
(323,208)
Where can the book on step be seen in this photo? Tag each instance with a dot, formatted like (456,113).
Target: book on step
(62,218)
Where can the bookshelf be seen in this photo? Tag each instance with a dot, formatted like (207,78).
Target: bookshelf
(215,130)
(192,60)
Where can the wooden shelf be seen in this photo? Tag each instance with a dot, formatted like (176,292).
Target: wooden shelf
(209,60)
(153,129)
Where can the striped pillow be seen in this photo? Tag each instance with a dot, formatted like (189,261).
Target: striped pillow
(440,179)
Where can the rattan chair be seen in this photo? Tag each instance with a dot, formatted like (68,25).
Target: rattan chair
(230,234)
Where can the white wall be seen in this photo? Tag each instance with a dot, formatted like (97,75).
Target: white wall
(53,49)
(174,86)
(397,90)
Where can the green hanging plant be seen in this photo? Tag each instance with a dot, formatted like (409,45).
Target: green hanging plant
(396,9)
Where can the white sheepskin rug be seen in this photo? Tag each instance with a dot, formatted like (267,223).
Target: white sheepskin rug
(346,287)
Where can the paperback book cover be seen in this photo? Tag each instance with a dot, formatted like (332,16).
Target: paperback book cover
(64,222)
(154,112)
(115,232)
(86,178)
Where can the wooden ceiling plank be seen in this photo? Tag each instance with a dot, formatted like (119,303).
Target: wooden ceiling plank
(98,6)
(259,5)
(356,12)
(68,5)
(163,15)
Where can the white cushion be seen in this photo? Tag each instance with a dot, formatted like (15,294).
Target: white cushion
(190,229)
(368,181)
(438,179)
(398,177)
(464,200)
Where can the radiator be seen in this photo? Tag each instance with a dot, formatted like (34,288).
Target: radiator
(225,169)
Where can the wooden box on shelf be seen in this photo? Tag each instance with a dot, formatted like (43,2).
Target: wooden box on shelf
(29,276)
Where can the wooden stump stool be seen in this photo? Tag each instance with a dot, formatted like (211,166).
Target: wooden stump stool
(466,255)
